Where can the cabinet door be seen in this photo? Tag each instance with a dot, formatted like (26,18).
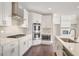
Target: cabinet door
(22,45)
(65,21)
(25,21)
(7,13)
(73,19)
(60,49)
(0,51)
(55,44)
(1,19)
(11,49)
(29,41)
(56,19)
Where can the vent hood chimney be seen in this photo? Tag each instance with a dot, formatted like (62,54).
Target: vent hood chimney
(16,11)
(17,14)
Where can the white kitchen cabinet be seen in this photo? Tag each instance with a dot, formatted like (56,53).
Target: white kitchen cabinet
(56,19)
(0,50)
(65,21)
(73,19)
(29,41)
(58,47)
(5,13)
(36,17)
(55,45)
(25,14)
(10,49)
(25,21)
(22,45)
(1,13)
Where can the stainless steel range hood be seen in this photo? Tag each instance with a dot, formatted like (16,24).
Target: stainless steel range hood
(17,14)
(16,11)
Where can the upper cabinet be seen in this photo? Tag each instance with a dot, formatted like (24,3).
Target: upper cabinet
(56,19)
(5,13)
(1,21)
(36,17)
(25,22)
(65,21)
(73,19)
(68,20)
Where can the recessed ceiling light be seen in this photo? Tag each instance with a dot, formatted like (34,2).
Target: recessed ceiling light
(49,8)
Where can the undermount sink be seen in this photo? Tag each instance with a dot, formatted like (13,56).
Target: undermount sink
(68,40)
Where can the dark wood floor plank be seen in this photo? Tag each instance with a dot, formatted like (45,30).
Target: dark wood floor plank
(40,50)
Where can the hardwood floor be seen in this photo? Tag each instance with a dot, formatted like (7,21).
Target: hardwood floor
(40,50)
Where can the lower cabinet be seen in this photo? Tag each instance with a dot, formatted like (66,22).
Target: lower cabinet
(22,45)
(29,41)
(0,51)
(16,47)
(10,49)
(58,47)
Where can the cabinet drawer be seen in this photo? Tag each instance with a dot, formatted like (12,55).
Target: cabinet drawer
(11,49)
(11,44)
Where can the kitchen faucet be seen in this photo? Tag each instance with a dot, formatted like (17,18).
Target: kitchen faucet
(75,37)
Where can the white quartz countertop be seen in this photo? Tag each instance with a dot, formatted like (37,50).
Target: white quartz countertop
(73,48)
(5,40)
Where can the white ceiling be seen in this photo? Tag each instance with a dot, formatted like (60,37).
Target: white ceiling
(57,7)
